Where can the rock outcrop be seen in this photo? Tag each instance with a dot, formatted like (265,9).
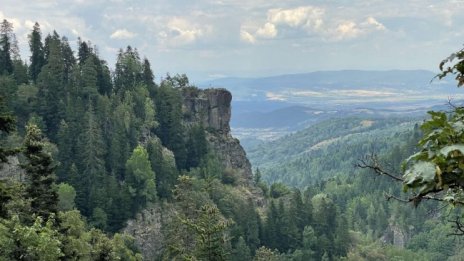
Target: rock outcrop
(11,170)
(146,228)
(211,108)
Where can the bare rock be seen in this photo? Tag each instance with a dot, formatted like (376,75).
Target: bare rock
(211,108)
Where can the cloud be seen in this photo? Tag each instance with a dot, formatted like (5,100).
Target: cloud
(308,17)
(247,37)
(15,21)
(180,31)
(267,31)
(347,29)
(122,34)
(364,93)
(371,21)
(275,96)
(350,29)
(311,20)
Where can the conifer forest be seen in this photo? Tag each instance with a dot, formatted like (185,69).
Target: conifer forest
(104,161)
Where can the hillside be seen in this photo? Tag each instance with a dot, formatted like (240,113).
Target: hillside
(328,149)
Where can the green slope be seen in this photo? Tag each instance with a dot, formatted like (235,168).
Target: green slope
(328,149)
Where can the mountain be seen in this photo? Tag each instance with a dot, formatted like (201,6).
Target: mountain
(329,148)
(267,108)
(331,87)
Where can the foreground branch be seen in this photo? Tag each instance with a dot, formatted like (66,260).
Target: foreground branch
(372,162)
(458,227)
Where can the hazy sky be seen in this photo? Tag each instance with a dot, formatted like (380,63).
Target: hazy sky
(214,38)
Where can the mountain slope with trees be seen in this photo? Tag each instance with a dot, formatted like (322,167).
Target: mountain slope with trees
(101,164)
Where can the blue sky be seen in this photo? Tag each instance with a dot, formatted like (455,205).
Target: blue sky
(215,38)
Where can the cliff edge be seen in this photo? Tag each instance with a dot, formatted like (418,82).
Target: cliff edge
(211,108)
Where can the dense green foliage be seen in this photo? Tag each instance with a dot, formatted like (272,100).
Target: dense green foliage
(329,149)
(100,147)
(436,171)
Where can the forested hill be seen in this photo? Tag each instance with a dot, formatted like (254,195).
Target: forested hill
(328,149)
(80,139)
(100,164)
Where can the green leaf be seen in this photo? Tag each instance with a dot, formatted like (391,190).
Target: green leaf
(448,149)
(421,174)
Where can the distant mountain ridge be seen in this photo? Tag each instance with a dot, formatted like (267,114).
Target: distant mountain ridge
(268,107)
(326,81)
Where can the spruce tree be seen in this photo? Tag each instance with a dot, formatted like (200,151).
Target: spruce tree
(40,172)
(37,52)
(170,129)
(6,62)
(91,153)
(51,89)
(69,60)
(241,251)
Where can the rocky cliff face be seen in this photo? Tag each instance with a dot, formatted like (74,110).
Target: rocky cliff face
(11,170)
(211,107)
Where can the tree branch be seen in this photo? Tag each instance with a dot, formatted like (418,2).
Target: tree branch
(372,162)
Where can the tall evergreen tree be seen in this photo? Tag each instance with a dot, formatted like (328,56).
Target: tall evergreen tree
(241,251)
(68,59)
(170,129)
(91,154)
(210,230)
(51,88)
(40,171)
(197,146)
(6,33)
(84,51)
(37,52)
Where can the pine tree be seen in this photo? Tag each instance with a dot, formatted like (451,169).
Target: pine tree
(251,226)
(37,52)
(40,171)
(84,51)
(128,72)
(91,154)
(197,146)
(89,80)
(51,88)
(272,229)
(210,230)
(148,78)
(7,125)
(170,129)
(6,62)
(241,251)
(69,60)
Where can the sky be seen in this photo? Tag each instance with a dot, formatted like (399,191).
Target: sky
(209,39)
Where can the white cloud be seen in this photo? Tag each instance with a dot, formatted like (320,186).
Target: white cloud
(15,21)
(350,29)
(371,21)
(247,37)
(364,93)
(347,29)
(275,97)
(180,31)
(308,17)
(122,34)
(267,31)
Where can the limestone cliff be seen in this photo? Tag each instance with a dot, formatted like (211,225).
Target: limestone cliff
(211,108)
